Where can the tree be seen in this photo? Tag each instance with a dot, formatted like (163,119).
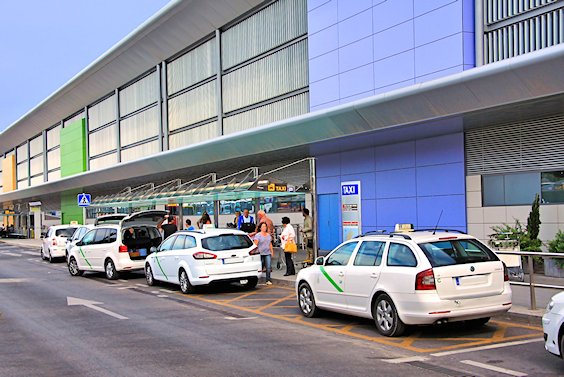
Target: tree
(533,221)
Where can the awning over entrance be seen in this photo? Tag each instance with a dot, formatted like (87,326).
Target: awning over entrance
(245,184)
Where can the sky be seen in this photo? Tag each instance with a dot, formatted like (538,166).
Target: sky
(45,43)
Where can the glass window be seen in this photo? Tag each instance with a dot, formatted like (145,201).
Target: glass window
(138,95)
(66,232)
(54,159)
(167,244)
(140,126)
(101,236)
(54,137)
(179,243)
(76,118)
(36,165)
(401,255)
(510,189)
(192,107)
(54,175)
(103,162)
(447,253)
(21,153)
(102,141)
(21,170)
(140,151)
(34,181)
(102,113)
(227,242)
(36,146)
(552,187)
(341,256)
(190,242)
(194,135)
(88,238)
(370,253)
(192,67)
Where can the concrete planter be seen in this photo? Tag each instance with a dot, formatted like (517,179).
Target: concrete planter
(552,269)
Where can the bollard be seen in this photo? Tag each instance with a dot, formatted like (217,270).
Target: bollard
(532,283)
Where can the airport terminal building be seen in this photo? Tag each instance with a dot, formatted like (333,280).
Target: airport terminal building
(369,112)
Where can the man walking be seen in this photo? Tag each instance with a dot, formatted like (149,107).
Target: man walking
(307,231)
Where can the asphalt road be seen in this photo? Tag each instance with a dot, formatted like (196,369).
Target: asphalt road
(136,330)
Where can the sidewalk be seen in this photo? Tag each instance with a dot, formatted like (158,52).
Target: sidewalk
(520,306)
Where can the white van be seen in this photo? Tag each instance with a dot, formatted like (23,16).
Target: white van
(112,248)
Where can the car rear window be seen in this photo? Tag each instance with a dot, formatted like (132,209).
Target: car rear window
(65,232)
(227,242)
(452,252)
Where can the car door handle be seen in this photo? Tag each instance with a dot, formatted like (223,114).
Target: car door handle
(341,274)
(374,275)
(177,258)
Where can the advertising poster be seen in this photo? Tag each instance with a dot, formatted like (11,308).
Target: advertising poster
(351,212)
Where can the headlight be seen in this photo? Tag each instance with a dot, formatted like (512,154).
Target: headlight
(550,306)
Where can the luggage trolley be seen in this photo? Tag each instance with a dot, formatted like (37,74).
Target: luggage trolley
(512,262)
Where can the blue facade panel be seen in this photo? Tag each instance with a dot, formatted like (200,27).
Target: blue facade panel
(409,182)
(376,46)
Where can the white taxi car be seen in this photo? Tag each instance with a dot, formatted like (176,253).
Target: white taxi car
(553,325)
(112,248)
(399,279)
(202,257)
(55,241)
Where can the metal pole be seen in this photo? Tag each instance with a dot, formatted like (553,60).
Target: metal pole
(313,190)
(480,20)
(532,283)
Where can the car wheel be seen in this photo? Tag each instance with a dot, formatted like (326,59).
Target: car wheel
(73,268)
(306,301)
(386,317)
(149,275)
(185,285)
(43,257)
(50,257)
(251,283)
(477,322)
(110,268)
(561,344)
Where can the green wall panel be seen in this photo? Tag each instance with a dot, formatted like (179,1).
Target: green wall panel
(73,148)
(70,211)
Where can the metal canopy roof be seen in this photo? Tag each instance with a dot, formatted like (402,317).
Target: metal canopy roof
(533,81)
(245,184)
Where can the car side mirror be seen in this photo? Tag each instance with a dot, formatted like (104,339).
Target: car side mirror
(153,249)
(79,243)
(320,261)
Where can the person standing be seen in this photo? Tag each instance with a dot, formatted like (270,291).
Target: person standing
(204,220)
(263,240)
(189,225)
(246,222)
(169,228)
(262,218)
(307,231)
(288,238)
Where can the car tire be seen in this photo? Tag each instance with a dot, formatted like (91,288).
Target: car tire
(385,314)
(474,323)
(185,286)
(43,257)
(110,269)
(50,257)
(561,333)
(149,278)
(306,301)
(73,268)
(251,283)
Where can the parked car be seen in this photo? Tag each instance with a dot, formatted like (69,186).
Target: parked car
(202,257)
(76,236)
(400,279)
(553,325)
(54,243)
(112,248)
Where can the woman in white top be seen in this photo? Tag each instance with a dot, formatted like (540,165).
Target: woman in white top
(288,236)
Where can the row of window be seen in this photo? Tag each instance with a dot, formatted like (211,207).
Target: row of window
(521,188)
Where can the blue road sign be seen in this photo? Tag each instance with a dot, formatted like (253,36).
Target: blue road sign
(83,200)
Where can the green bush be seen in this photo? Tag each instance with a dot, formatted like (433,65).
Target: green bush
(557,246)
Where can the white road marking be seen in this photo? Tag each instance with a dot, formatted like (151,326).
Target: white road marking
(92,305)
(167,290)
(31,253)
(501,345)
(239,319)
(162,296)
(141,285)
(406,359)
(10,254)
(12,280)
(126,287)
(123,280)
(494,368)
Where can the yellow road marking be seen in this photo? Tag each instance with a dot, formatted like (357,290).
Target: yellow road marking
(273,303)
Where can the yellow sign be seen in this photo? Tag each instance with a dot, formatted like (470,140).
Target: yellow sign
(277,188)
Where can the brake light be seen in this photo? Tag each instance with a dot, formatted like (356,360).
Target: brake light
(425,281)
(54,242)
(204,255)
(254,251)
(123,249)
(448,238)
(505,272)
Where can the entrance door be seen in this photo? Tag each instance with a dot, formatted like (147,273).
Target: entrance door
(328,220)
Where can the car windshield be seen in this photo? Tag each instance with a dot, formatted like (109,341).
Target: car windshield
(227,242)
(452,252)
(65,232)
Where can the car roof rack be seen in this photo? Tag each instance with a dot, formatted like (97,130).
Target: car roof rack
(379,231)
(439,229)
(405,236)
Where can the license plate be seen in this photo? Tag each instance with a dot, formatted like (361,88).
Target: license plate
(232,260)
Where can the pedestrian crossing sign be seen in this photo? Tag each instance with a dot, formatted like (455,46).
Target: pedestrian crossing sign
(83,200)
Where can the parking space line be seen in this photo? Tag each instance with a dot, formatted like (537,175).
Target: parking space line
(488,347)
(273,303)
(494,368)
(408,359)
(252,293)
